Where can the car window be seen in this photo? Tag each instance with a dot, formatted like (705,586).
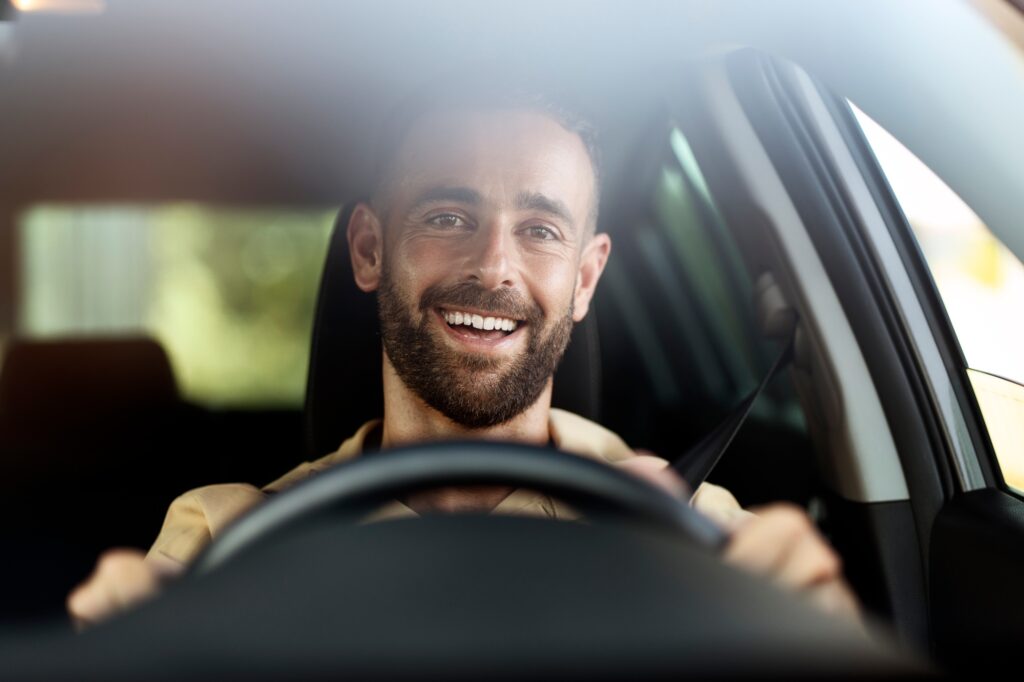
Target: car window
(229,292)
(981,284)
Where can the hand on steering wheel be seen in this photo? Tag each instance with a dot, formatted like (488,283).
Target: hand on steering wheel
(353,489)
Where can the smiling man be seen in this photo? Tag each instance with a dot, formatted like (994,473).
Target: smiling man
(480,243)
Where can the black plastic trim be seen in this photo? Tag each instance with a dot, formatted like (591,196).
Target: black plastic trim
(977,594)
(878,542)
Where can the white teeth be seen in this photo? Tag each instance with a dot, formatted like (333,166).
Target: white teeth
(480,322)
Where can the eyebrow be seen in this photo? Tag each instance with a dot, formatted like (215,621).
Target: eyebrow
(459,195)
(524,201)
(535,201)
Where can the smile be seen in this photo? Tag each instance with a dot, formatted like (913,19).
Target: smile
(480,332)
(457,318)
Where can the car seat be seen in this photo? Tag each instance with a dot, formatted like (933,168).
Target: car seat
(91,452)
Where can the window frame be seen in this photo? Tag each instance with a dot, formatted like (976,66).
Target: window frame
(953,375)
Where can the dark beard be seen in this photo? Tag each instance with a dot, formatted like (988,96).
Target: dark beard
(469,389)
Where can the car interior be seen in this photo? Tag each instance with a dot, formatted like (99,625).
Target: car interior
(738,190)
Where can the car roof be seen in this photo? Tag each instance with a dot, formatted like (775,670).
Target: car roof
(268,102)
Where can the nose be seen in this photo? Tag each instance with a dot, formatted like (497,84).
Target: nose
(491,260)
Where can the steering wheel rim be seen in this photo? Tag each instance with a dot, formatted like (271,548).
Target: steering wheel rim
(355,488)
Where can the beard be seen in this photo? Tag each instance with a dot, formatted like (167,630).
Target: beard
(471,389)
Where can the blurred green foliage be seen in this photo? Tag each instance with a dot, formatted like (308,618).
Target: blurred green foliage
(229,292)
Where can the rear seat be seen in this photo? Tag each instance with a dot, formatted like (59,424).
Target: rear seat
(76,393)
(91,453)
(95,443)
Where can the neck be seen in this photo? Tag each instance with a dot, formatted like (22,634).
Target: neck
(409,420)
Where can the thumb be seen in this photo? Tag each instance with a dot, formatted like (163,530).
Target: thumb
(657,472)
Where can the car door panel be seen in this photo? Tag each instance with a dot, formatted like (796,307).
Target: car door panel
(968,531)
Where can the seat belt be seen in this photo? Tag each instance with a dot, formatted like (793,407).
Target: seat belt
(696,464)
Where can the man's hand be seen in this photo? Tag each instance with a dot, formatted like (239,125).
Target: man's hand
(122,578)
(779,541)
(655,471)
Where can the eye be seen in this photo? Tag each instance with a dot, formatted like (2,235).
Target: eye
(447,220)
(541,232)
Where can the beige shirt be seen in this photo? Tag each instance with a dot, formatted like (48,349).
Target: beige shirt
(199,515)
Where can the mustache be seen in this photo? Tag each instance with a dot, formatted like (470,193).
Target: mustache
(501,302)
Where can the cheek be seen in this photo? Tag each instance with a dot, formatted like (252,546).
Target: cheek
(553,284)
(424,257)
(419,268)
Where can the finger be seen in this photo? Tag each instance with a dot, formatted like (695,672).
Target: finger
(92,602)
(164,566)
(656,471)
(809,561)
(131,580)
(83,603)
(720,506)
(121,578)
(761,543)
(91,598)
(836,598)
(729,520)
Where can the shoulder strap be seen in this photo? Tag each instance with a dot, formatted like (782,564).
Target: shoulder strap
(696,464)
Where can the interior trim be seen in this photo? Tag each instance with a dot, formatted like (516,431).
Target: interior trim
(863,465)
(900,290)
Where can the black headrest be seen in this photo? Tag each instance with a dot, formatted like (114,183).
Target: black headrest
(344,388)
(54,384)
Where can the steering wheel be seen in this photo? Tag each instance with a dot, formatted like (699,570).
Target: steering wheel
(288,591)
(353,489)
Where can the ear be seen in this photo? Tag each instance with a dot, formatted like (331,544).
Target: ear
(595,256)
(365,247)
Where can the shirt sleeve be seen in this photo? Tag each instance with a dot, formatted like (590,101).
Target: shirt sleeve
(197,516)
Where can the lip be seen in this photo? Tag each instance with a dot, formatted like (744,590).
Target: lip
(468,341)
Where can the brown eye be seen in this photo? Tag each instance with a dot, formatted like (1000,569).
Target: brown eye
(447,220)
(542,233)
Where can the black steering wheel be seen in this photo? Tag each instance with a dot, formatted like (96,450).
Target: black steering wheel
(288,591)
(353,489)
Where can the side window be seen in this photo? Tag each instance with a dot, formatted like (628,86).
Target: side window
(679,336)
(981,284)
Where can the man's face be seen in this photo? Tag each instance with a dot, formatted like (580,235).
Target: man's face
(484,229)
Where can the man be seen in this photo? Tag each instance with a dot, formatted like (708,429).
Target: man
(480,244)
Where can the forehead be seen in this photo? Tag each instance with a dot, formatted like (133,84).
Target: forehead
(497,152)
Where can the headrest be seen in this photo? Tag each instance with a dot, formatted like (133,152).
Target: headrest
(344,388)
(65,385)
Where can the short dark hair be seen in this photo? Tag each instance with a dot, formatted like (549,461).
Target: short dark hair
(487,96)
